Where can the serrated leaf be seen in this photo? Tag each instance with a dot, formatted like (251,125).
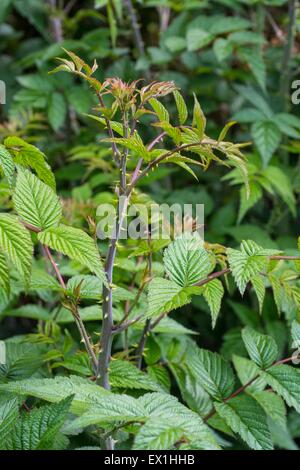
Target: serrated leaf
(260,290)
(213,293)
(181,107)
(166,406)
(186,261)
(35,202)
(30,156)
(248,262)
(86,287)
(295,332)
(160,110)
(254,59)
(246,417)
(76,244)
(277,291)
(199,120)
(165,295)
(248,371)
(272,404)
(42,280)
(267,138)
(4,274)
(247,201)
(37,430)
(7,164)
(22,361)
(285,380)
(123,374)
(280,180)
(261,348)
(57,110)
(87,394)
(212,371)
(9,413)
(159,435)
(15,242)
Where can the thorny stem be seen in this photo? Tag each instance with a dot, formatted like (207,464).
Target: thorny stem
(243,388)
(107,307)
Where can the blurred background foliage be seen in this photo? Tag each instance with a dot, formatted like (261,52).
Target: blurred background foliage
(240,57)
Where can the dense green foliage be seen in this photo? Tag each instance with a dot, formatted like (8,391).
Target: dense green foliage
(154,343)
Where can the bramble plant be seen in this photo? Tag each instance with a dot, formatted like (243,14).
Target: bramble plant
(118,390)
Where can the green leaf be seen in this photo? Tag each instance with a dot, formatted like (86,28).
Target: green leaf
(37,430)
(256,99)
(267,138)
(285,380)
(87,287)
(272,404)
(165,406)
(246,203)
(248,371)
(157,434)
(165,295)
(213,293)
(248,262)
(87,394)
(175,43)
(123,374)
(295,332)
(15,242)
(4,274)
(282,184)
(160,110)
(35,202)
(36,312)
(42,280)
(186,261)
(7,164)
(222,49)
(22,361)
(30,156)
(9,413)
(199,120)
(133,143)
(225,130)
(181,107)
(57,110)
(76,244)
(197,38)
(212,371)
(246,417)
(260,290)
(261,348)
(254,59)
